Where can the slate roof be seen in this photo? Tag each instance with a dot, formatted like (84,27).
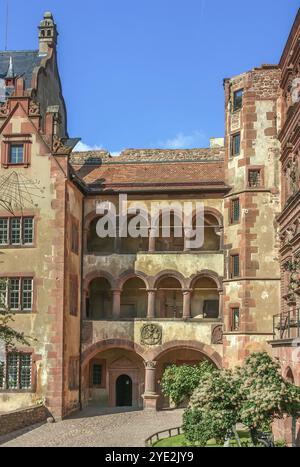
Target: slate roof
(151,170)
(24,62)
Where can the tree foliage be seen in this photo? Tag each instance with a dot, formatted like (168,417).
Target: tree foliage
(179,382)
(254,395)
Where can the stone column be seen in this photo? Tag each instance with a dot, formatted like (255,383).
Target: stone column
(187,303)
(152,238)
(116,303)
(151,303)
(150,396)
(221,297)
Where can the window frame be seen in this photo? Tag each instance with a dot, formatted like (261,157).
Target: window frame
(233,138)
(235,309)
(20,294)
(16,146)
(16,140)
(22,229)
(232,211)
(234,106)
(101,362)
(232,266)
(5,386)
(259,169)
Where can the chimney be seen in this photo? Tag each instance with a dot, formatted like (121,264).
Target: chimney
(47,33)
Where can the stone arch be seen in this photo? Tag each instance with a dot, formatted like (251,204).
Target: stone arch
(108,344)
(204,349)
(214,212)
(98,275)
(289,375)
(208,274)
(172,274)
(130,274)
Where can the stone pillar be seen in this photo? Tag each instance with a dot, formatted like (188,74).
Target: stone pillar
(221,238)
(187,303)
(151,303)
(152,238)
(221,297)
(150,396)
(116,303)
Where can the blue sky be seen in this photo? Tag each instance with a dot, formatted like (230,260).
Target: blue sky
(149,73)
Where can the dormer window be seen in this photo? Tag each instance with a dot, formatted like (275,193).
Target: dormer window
(16,154)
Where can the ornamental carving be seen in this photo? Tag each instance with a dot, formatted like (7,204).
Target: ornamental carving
(295,90)
(4,109)
(34,109)
(151,334)
(217,335)
(59,147)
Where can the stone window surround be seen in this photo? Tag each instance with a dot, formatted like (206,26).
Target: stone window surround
(17,139)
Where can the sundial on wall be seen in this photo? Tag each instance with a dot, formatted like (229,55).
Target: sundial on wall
(18,192)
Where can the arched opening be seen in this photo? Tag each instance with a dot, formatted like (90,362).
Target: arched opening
(134,299)
(124,391)
(178,357)
(212,233)
(169,299)
(96,244)
(131,245)
(99,300)
(205,299)
(103,378)
(290,376)
(173,238)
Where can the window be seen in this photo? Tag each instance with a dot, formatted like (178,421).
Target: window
(73,295)
(97,374)
(235,319)
(254,178)
(235,210)
(235,266)
(16,154)
(3,231)
(17,231)
(238,100)
(74,238)
(236,145)
(16,372)
(16,294)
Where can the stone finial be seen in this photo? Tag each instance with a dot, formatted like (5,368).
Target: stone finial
(47,33)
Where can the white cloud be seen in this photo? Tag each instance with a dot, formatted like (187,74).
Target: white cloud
(82,147)
(196,139)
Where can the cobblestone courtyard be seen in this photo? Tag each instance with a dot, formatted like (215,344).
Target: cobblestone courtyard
(96,428)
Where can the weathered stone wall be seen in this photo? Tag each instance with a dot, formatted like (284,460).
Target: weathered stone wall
(16,420)
(253,238)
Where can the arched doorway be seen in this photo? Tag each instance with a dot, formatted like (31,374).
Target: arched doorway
(124,391)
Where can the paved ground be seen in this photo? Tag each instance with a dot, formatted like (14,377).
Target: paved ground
(95,427)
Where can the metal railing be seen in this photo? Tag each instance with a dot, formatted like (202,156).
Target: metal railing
(149,442)
(287,325)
